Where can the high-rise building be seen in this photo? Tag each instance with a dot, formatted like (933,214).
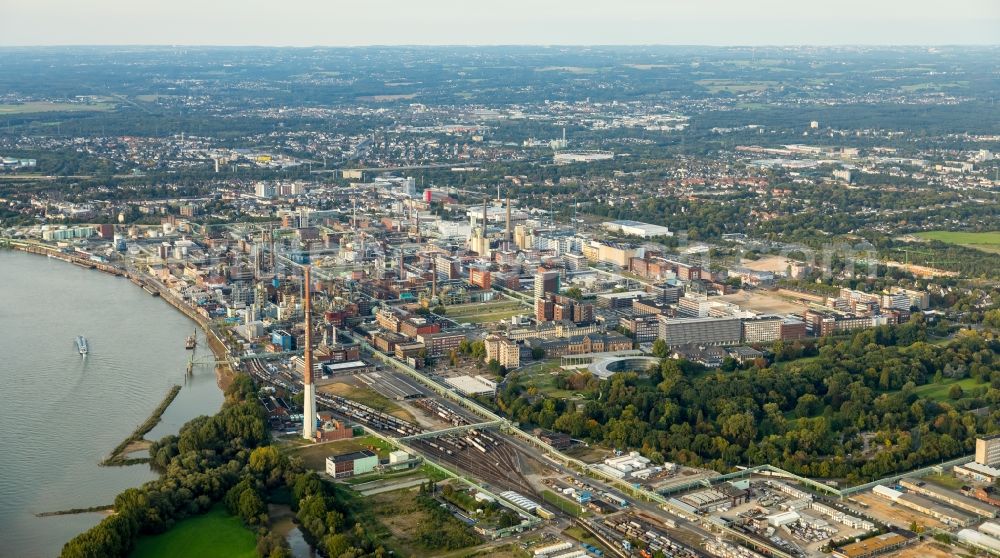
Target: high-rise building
(503,350)
(544,310)
(988,450)
(264,190)
(546,282)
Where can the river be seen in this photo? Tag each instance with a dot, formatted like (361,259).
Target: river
(62,413)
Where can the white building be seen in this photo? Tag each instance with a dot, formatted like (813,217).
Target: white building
(636,228)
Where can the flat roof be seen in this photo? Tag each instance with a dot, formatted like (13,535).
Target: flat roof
(872,545)
(472,384)
(345,365)
(980,468)
(353,456)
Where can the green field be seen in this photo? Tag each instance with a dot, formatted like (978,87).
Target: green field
(45,106)
(984,241)
(215,534)
(567,506)
(947,481)
(939,392)
(485,311)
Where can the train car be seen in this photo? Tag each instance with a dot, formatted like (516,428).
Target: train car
(479,447)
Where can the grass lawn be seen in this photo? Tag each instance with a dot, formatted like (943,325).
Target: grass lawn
(542,377)
(939,392)
(984,241)
(946,481)
(215,534)
(567,506)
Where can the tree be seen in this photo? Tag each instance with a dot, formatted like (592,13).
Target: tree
(955,392)
(660,349)
(807,405)
(251,507)
(273,545)
(537,353)
(494,366)
(573,292)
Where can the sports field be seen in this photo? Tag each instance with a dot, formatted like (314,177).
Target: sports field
(215,534)
(985,241)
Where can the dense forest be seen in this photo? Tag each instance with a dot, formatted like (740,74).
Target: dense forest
(852,411)
(224,459)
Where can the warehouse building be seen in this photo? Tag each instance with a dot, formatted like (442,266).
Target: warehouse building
(636,228)
(977,472)
(942,513)
(953,499)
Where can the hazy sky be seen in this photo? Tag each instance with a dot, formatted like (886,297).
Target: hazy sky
(365,22)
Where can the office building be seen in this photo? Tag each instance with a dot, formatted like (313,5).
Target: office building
(792,329)
(988,450)
(700,331)
(762,330)
(643,328)
(546,282)
(442,343)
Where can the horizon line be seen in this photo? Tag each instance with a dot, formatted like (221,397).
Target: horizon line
(500,45)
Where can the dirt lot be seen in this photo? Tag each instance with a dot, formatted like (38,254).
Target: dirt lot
(893,514)
(925,549)
(763,301)
(774,264)
(349,388)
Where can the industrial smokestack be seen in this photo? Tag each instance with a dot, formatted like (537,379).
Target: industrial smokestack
(508,236)
(309,390)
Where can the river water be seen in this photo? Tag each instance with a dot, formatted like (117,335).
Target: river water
(62,413)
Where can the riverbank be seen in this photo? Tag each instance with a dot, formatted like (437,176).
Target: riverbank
(71,411)
(119,455)
(224,371)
